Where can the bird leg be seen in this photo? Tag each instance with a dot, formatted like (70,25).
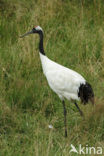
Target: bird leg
(81,113)
(65,118)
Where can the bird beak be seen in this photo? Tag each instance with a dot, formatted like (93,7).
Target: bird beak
(92,101)
(30,32)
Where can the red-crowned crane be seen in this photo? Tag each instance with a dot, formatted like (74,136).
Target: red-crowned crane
(65,82)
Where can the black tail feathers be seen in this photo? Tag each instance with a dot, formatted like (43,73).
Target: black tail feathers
(85,92)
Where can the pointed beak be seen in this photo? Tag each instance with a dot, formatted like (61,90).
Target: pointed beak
(30,32)
(92,101)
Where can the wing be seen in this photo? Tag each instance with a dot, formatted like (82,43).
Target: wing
(64,80)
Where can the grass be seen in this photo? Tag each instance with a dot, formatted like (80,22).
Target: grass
(73,37)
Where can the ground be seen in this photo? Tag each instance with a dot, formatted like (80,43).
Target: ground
(73,37)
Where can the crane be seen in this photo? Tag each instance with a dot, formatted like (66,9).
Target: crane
(66,83)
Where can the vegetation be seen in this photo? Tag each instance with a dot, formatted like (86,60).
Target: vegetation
(73,37)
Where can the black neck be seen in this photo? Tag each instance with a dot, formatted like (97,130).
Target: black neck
(41,43)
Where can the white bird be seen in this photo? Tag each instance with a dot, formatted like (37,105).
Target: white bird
(65,82)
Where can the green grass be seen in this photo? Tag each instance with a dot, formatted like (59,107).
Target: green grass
(73,37)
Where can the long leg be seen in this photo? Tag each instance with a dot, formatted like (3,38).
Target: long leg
(81,113)
(65,118)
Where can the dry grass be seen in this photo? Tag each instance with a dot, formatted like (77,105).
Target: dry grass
(73,37)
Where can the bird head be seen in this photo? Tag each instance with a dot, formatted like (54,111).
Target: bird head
(36,29)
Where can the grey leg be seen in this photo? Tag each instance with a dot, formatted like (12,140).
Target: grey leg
(65,118)
(81,113)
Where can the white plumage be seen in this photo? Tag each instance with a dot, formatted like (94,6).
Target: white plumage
(65,82)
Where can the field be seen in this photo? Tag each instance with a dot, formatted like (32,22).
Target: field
(73,37)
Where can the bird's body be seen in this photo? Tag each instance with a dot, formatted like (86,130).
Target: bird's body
(65,82)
